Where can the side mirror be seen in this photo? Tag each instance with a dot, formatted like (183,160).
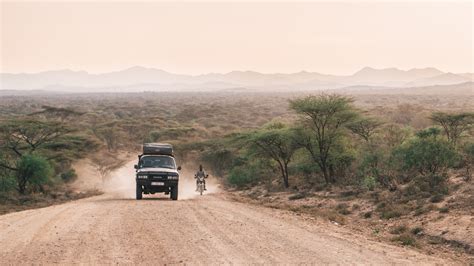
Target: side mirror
(179,168)
(135,166)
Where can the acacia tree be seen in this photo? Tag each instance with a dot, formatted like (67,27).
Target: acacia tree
(110,134)
(19,140)
(364,127)
(29,135)
(276,142)
(454,125)
(21,137)
(325,116)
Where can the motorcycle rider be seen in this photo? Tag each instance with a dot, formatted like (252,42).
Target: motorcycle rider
(200,173)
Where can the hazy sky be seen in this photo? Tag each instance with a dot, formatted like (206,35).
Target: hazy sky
(195,38)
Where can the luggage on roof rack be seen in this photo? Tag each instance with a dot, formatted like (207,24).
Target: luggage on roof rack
(157,149)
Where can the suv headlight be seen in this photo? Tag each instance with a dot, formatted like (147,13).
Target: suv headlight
(142,176)
(173,177)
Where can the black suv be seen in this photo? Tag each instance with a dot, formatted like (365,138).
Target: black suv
(157,171)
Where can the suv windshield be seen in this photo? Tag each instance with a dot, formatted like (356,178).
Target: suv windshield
(157,162)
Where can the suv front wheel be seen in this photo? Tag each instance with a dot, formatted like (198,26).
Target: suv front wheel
(139,192)
(174,193)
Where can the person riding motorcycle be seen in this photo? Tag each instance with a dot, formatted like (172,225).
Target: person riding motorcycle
(200,173)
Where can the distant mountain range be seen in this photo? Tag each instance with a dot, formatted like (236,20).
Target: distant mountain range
(137,78)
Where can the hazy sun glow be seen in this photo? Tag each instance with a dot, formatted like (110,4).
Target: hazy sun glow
(195,38)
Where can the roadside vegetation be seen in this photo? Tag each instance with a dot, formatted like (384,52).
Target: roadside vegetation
(331,142)
(332,153)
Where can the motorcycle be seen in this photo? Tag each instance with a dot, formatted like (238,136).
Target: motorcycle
(200,183)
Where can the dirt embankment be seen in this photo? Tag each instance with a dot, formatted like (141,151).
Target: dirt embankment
(446,227)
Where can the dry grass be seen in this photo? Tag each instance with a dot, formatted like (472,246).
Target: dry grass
(13,202)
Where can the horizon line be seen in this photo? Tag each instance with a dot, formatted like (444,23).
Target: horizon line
(228,72)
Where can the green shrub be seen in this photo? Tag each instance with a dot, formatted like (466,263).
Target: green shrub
(412,191)
(219,160)
(303,165)
(369,182)
(426,187)
(468,159)
(34,171)
(428,154)
(242,176)
(7,183)
(371,162)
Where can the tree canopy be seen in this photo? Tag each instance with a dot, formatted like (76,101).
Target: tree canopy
(454,125)
(277,142)
(325,116)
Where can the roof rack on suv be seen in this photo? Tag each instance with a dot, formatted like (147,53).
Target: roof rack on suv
(157,149)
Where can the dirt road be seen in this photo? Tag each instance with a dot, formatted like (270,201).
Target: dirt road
(209,229)
(204,230)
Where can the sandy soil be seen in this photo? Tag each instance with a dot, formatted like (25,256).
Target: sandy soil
(209,229)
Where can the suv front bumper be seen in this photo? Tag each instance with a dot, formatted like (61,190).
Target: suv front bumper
(156,185)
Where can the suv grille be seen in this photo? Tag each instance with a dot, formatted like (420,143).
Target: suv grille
(159,177)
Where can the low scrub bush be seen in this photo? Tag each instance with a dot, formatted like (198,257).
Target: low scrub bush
(405,239)
(343,209)
(69,175)
(444,209)
(398,230)
(416,230)
(297,196)
(436,240)
(390,212)
(437,198)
